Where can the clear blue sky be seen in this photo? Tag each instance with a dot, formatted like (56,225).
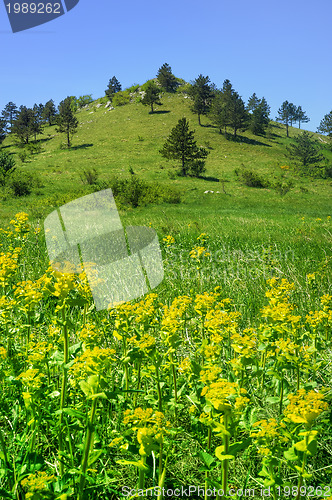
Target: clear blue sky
(280,49)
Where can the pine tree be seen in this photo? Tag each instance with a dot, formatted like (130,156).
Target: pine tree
(301,117)
(151,96)
(49,112)
(3,127)
(253,102)
(292,109)
(113,87)
(166,78)
(181,145)
(305,150)
(202,94)
(66,121)
(218,111)
(284,114)
(259,118)
(325,126)
(25,124)
(238,115)
(9,114)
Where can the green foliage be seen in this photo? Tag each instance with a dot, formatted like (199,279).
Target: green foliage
(49,112)
(137,192)
(285,114)
(325,126)
(7,166)
(300,116)
(3,126)
(84,100)
(152,95)
(305,149)
(259,116)
(9,114)
(202,95)
(113,87)
(182,146)
(166,78)
(21,183)
(121,98)
(89,176)
(251,179)
(26,125)
(133,88)
(66,121)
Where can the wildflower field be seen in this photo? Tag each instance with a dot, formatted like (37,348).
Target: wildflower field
(220,379)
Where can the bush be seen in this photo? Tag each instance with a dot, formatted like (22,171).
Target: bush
(89,176)
(121,98)
(7,166)
(21,183)
(282,188)
(251,179)
(136,192)
(133,88)
(197,168)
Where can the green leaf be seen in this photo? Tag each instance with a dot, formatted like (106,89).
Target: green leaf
(272,399)
(301,446)
(139,465)
(312,447)
(206,458)
(219,454)
(290,454)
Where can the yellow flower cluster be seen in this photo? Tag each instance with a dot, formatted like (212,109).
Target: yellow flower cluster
(37,482)
(89,335)
(150,426)
(32,378)
(169,240)
(304,407)
(92,361)
(225,395)
(8,264)
(269,435)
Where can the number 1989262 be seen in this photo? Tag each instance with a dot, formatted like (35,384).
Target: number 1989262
(33,8)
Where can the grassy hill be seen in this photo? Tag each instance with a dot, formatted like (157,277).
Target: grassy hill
(112,141)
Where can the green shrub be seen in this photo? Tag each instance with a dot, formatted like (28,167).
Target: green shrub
(21,183)
(7,166)
(121,98)
(133,88)
(251,179)
(136,192)
(197,168)
(89,176)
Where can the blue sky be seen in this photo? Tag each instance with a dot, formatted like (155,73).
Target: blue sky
(279,49)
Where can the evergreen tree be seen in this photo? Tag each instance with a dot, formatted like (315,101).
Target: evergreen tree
(301,116)
(181,145)
(3,127)
(305,149)
(166,78)
(49,112)
(218,112)
(325,126)
(253,102)
(25,124)
(113,87)
(9,114)
(284,114)
(151,96)
(259,118)
(66,121)
(201,92)
(36,125)
(292,109)
(238,115)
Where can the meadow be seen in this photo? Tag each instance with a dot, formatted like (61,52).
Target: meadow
(220,377)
